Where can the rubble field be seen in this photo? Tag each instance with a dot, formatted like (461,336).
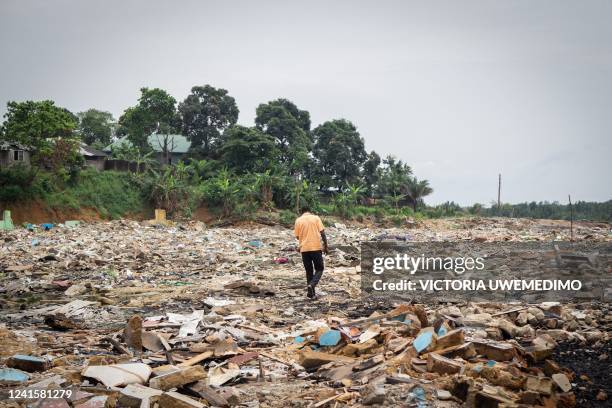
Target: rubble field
(135,314)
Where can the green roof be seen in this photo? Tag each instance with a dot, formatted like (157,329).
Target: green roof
(176,143)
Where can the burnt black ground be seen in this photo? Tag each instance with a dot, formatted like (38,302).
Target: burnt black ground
(584,360)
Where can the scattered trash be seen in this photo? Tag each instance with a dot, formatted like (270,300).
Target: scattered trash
(181,315)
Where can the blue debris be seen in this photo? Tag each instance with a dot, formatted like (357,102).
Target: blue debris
(255,243)
(418,393)
(299,339)
(46,226)
(422,341)
(400,318)
(442,331)
(491,363)
(329,338)
(12,376)
(35,242)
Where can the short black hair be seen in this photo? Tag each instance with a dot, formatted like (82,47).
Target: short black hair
(305,208)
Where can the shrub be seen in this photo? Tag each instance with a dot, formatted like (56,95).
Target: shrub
(287,217)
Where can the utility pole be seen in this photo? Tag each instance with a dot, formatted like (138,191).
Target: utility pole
(569,197)
(499,192)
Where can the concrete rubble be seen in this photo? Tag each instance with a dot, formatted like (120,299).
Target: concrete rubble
(130,314)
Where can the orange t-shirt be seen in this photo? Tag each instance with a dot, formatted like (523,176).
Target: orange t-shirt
(307,230)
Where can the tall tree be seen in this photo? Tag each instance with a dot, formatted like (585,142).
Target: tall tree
(416,190)
(34,122)
(371,172)
(48,129)
(205,114)
(248,149)
(155,112)
(395,177)
(290,128)
(96,126)
(339,153)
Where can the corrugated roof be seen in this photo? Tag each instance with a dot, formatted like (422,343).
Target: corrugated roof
(8,145)
(90,151)
(176,143)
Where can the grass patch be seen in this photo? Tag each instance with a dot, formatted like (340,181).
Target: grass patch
(112,194)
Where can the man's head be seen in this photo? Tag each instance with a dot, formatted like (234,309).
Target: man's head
(305,209)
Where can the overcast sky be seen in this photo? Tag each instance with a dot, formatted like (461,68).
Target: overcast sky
(461,90)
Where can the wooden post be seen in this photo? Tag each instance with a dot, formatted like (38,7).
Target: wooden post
(569,197)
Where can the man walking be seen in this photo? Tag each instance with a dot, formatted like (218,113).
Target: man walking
(310,232)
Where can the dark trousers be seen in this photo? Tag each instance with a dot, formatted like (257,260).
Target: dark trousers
(313,263)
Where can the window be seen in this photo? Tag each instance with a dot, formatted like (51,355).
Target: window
(17,155)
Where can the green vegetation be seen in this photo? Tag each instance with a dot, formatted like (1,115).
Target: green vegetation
(280,163)
(111,194)
(582,210)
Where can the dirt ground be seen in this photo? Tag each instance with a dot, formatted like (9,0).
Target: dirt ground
(229,304)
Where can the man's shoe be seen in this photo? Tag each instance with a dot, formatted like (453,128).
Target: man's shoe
(311,292)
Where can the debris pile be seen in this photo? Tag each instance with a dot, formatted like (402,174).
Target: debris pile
(129,314)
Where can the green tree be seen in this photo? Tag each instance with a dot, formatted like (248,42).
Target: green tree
(223,190)
(371,172)
(394,177)
(346,200)
(204,115)
(35,123)
(155,112)
(416,190)
(265,182)
(248,149)
(290,129)
(339,153)
(96,127)
(301,192)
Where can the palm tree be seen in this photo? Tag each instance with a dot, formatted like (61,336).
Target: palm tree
(416,190)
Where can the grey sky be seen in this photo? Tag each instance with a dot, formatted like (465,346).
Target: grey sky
(460,90)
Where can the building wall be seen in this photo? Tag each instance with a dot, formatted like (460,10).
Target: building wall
(97,163)
(174,157)
(6,158)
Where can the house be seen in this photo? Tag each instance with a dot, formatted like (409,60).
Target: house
(93,158)
(169,149)
(12,153)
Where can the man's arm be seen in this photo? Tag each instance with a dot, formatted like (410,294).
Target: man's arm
(324,238)
(296,233)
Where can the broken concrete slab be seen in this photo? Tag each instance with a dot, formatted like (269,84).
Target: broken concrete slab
(311,359)
(178,377)
(562,382)
(11,376)
(452,338)
(329,338)
(116,375)
(175,400)
(95,402)
(220,375)
(28,363)
(138,396)
(442,365)
(541,385)
(354,349)
(494,350)
(425,341)
(209,394)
